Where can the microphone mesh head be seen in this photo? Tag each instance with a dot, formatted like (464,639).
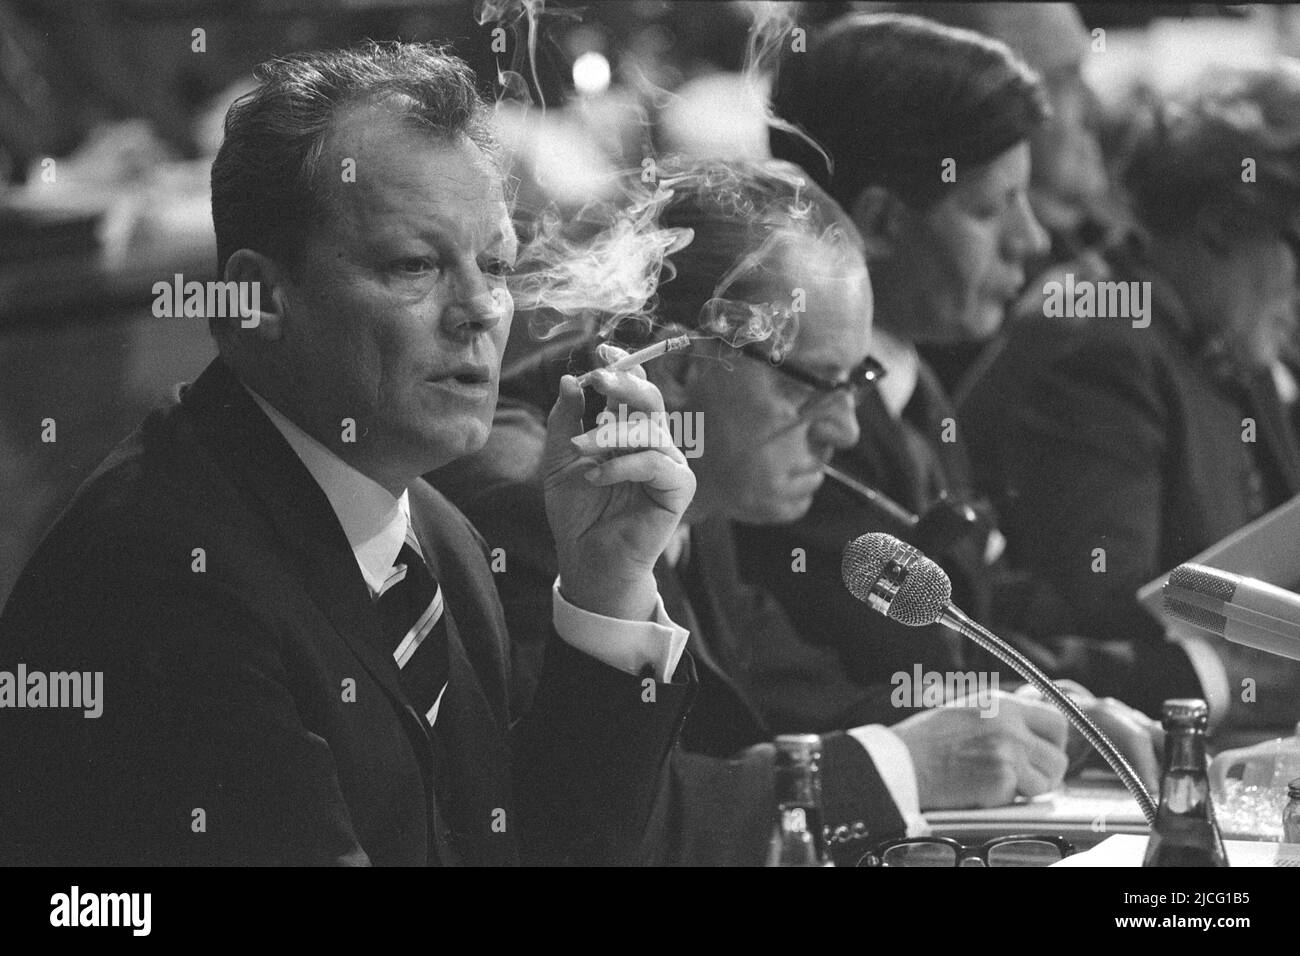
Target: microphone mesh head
(1208,581)
(925,590)
(864,560)
(1192,614)
(923,597)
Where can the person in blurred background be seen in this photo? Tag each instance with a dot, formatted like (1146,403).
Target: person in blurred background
(1069,186)
(895,101)
(1119,447)
(769,426)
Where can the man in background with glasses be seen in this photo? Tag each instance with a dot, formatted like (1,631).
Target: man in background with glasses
(773,413)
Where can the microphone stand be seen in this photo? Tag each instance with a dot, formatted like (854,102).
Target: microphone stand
(954,619)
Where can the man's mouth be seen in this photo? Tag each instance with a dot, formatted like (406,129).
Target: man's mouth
(467,375)
(470,380)
(808,473)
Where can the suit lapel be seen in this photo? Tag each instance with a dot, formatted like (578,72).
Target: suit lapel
(934,407)
(471,733)
(261,462)
(880,458)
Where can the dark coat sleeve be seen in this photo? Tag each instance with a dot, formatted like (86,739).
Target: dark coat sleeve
(590,757)
(708,809)
(591,742)
(589,745)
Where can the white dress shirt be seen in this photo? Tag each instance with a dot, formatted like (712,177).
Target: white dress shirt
(375,523)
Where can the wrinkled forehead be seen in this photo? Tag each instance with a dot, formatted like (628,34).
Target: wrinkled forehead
(385,175)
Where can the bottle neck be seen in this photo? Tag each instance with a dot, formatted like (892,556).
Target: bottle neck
(1185,786)
(798,800)
(798,785)
(1185,750)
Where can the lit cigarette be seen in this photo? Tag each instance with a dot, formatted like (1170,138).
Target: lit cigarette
(641,356)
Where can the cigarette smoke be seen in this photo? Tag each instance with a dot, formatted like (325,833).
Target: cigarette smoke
(523,19)
(601,271)
(772,30)
(597,271)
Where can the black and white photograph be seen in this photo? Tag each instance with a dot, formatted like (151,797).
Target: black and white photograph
(651,434)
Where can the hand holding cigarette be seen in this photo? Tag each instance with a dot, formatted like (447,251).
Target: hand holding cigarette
(613,504)
(641,356)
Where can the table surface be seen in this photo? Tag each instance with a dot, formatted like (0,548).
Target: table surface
(1087,811)
(1127,849)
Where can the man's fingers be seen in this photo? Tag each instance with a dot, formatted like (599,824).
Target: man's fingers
(643,467)
(610,354)
(629,388)
(1042,766)
(1130,737)
(565,419)
(1042,720)
(615,437)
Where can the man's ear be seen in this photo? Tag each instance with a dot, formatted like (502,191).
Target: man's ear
(263,280)
(879,216)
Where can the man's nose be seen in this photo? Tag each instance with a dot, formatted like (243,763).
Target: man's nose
(837,425)
(477,307)
(1025,237)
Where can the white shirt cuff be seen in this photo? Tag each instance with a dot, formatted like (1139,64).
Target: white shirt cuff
(626,645)
(1210,672)
(894,764)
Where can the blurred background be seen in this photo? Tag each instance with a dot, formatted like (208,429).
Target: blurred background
(111,111)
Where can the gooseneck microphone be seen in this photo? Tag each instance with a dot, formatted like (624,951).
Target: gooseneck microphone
(1243,610)
(900,582)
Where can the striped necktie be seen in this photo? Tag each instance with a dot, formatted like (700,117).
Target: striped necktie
(411,611)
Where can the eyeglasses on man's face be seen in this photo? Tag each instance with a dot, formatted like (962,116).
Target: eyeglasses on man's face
(1016,850)
(867,373)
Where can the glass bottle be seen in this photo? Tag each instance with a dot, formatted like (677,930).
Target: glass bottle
(1185,833)
(799,839)
(1291,813)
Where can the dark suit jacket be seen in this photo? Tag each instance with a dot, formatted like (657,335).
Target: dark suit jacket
(251,714)
(1098,435)
(723,811)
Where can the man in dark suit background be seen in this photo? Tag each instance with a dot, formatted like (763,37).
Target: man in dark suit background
(1119,443)
(767,428)
(303,658)
(946,255)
